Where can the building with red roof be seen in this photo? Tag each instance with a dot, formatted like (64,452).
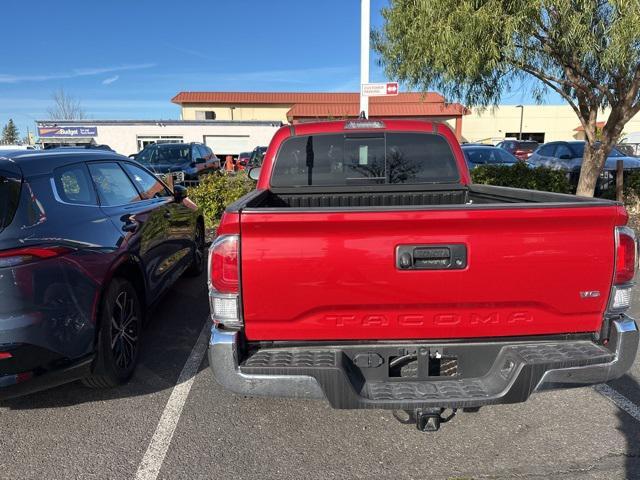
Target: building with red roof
(294,107)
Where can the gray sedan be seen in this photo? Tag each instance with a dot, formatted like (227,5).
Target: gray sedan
(568,156)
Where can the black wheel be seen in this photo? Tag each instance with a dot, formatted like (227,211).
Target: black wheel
(197,264)
(118,336)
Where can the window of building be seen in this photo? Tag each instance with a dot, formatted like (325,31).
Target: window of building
(145,140)
(205,115)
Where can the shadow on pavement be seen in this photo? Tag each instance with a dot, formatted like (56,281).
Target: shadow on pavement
(176,323)
(629,426)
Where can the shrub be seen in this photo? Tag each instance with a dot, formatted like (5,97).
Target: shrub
(218,190)
(521,175)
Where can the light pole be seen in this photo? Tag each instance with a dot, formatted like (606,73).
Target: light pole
(365,32)
(521,107)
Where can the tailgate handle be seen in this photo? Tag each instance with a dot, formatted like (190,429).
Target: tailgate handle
(431,257)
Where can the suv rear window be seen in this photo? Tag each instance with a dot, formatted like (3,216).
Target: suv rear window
(364,159)
(9,197)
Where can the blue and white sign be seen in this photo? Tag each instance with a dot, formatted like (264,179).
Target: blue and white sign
(67,131)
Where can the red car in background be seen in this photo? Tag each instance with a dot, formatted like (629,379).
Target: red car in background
(243,160)
(521,149)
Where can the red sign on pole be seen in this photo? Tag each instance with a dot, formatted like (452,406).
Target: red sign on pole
(392,88)
(379,89)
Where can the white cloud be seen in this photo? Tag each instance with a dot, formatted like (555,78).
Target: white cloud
(110,80)
(77,72)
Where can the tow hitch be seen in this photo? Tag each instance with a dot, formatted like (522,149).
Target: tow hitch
(425,420)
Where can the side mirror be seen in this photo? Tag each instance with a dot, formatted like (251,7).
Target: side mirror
(179,193)
(565,156)
(200,160)
(254,173)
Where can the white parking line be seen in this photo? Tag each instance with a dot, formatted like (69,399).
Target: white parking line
(620,400)
(157,450)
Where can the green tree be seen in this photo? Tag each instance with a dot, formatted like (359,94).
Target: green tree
(10,133)
(587,51)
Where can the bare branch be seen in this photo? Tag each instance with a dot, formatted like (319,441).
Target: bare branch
(65,107)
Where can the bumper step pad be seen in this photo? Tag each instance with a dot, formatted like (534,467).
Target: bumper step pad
(515,373)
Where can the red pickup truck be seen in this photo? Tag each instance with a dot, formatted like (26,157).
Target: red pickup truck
(367,269)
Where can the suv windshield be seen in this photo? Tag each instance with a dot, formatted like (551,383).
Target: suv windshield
(164,153)
(578,150)
(9,197)
(364,159)
(487,155)
(257,156)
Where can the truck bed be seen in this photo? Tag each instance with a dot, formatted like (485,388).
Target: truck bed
(386,197)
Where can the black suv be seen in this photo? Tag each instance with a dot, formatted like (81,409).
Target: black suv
(185,161)
(89,240)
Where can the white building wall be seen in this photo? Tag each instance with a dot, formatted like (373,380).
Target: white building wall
(557,122)
(124,138)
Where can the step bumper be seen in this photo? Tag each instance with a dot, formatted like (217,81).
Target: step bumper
(513,370)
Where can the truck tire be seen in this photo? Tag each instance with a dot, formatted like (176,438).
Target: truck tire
(118,345)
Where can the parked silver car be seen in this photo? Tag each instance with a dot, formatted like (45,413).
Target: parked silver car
(568,156)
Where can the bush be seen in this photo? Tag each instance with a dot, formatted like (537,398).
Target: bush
(521,175)
(218,190)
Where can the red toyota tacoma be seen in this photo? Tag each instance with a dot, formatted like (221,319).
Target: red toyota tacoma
(367,269)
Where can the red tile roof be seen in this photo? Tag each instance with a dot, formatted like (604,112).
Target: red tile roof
(376,109)
(290,98)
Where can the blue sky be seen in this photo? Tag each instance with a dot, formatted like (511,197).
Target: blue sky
(127,58)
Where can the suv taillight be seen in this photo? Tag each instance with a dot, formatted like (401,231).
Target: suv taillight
(224,281)
(20,256)
(625,269)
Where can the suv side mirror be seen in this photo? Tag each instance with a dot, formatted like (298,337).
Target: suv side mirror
(200,160)
(179,193)
(254,173)
(565,156)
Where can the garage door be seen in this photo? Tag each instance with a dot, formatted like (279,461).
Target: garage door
(228,144)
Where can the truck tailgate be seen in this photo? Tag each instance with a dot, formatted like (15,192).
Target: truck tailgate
(333,275)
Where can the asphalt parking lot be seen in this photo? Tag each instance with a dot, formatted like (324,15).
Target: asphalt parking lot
(149,429)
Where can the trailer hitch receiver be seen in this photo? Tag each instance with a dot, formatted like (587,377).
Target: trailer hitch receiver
(425,420)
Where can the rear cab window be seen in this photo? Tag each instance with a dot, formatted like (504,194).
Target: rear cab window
(10,186)
(364,159)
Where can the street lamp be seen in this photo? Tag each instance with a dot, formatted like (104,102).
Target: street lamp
(521,107)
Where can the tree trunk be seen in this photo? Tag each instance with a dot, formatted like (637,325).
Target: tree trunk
(592,164)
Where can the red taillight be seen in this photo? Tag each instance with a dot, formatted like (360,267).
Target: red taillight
(19,256)
(5,355)
(224,268)
(626,256)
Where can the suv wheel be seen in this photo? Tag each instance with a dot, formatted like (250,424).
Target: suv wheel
(118,336)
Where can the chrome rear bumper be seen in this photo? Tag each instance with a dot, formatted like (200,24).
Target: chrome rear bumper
(327,372)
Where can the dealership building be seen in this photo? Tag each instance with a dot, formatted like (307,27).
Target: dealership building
(235,122)
(131,136)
